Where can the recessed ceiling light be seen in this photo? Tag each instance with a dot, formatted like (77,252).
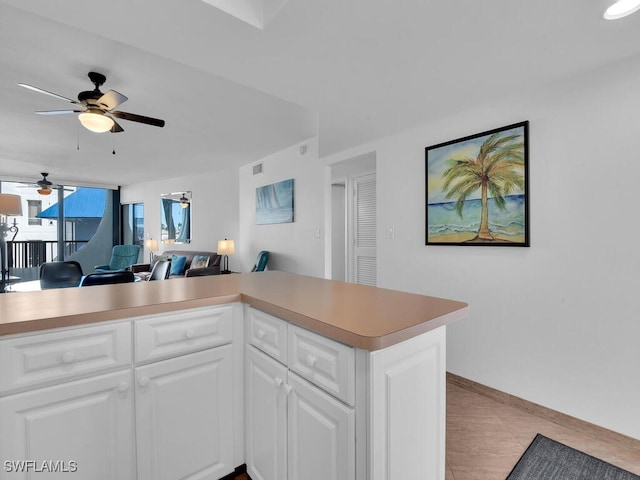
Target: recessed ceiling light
(622,8)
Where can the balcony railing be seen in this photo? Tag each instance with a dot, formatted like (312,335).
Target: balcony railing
(33,253)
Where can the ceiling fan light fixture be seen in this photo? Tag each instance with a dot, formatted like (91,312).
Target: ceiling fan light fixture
(621,9)
(96,122)
(184,201)
(44,191)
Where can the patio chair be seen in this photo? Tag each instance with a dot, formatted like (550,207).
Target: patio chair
(261,262)
(122,257)
(60,274)
(107,278)
(161,270)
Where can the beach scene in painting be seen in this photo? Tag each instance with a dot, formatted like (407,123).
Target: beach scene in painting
(274,203)
(476,189)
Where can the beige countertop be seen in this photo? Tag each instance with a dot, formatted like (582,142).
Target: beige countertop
(365,317)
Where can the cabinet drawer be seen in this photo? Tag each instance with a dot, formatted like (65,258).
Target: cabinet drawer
(47,357)
(173,334)
(268,333)
(324,362)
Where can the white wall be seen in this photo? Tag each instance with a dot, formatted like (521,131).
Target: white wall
(214,207)
(296,247)
(555,323)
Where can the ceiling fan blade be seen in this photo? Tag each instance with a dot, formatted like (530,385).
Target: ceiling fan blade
(156,122)
(57,112)
(116,127)
(51,94)
(111,99)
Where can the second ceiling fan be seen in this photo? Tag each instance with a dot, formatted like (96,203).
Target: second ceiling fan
(96,109)
(44,185)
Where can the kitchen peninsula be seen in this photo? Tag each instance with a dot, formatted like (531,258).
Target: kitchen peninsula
(297,377)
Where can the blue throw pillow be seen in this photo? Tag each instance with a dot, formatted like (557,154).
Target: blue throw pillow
(177,265)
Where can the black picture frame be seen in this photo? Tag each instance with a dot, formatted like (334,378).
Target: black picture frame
(477,189)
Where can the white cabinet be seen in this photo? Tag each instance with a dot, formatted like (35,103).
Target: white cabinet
(84,426)
(183,422)
(267,333)
(324,362)
(43,358)
(265,417)
(168,335)
(165,404)
(406,419)
(321,434)
(172,402)
(185,394)
(392,400)
(295,430)
(66,403)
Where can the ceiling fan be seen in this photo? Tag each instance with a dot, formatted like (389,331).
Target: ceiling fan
(44,185)
(97,109)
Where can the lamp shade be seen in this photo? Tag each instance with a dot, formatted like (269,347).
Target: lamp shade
(96,122)
(151,244)
(226,247)
(10,204)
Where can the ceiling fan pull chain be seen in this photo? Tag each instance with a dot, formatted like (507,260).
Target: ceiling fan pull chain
(113,138)
(78,137)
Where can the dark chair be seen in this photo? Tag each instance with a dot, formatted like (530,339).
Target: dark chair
(160,270)
(261,262)
(107,278)
(122,257)
(60,274)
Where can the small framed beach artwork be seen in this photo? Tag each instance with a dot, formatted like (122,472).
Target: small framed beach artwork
(274,203)
(477,189)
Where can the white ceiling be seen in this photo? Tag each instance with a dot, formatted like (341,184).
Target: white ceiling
(347,70)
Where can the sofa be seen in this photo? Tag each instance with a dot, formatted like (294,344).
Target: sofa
(188,270)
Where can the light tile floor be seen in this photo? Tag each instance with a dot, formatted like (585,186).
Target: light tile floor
(486,438)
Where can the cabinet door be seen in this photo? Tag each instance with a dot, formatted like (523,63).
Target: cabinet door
(84,426)
(266,417)
(184,417)
(321,434)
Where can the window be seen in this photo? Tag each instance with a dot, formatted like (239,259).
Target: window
(133,224)
(34,208)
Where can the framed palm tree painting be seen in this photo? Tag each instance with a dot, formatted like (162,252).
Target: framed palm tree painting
(477,189)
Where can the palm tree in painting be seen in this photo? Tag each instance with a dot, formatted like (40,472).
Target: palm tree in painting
(497,171)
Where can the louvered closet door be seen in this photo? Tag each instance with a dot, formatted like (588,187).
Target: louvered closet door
(364,223)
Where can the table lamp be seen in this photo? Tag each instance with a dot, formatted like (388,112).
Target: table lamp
(9,205)
(225,247)
(151,245)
